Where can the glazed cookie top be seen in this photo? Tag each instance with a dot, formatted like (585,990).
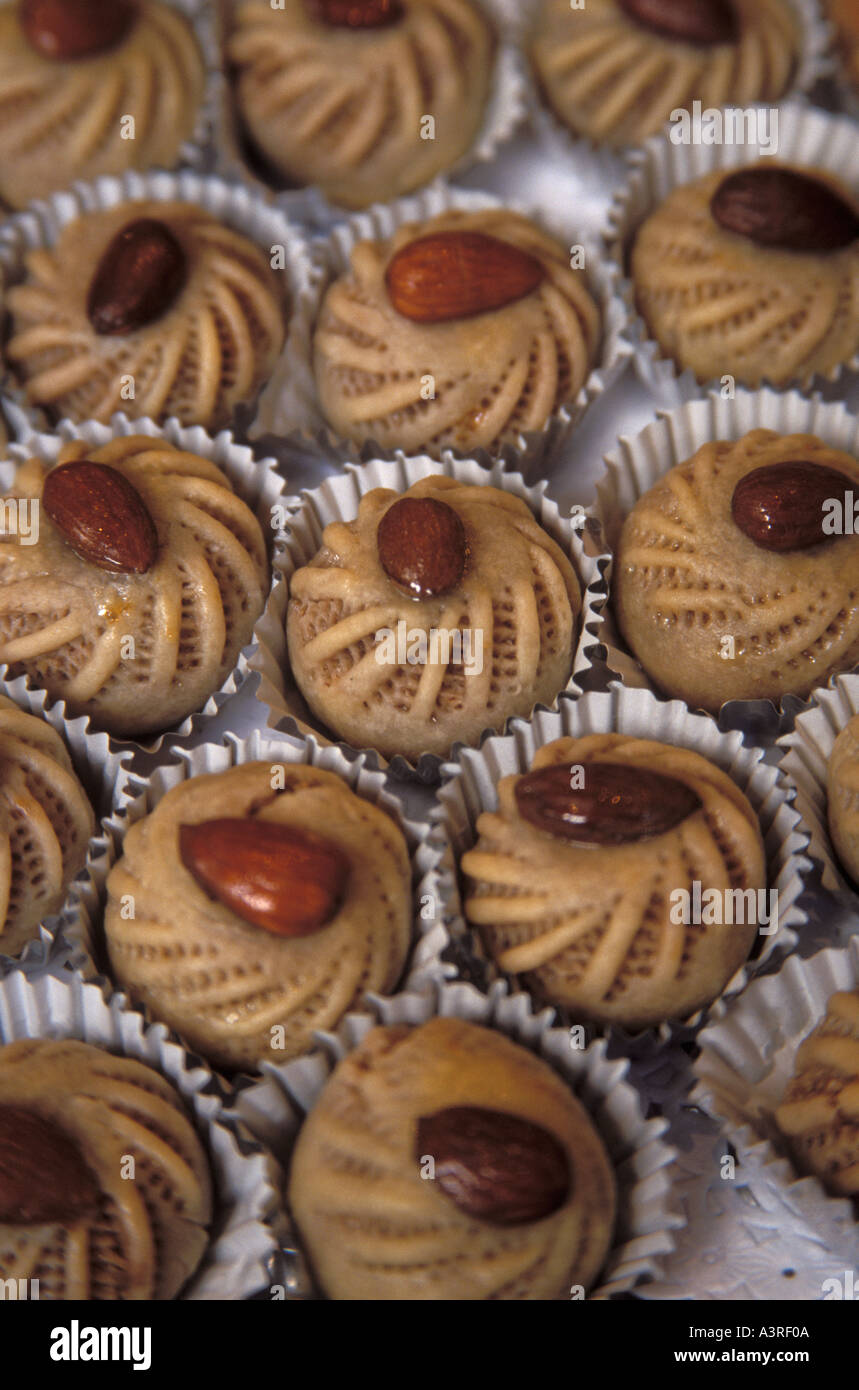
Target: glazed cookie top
(73,71)
(753,274)
(519,1201)
(45,824)
(336,92)
(820,1111)
(614,70)
(267,900)
(71,1116)
(576,881)
(158,297)
(432,617)
(144,582)
(737,574)
(462,331)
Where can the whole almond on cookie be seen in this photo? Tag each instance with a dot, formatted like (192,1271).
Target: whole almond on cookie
(785,209)
(357,14)
(690,21)
(422,546)
(102,516)
(139,277)
(781,506)
(68,30)
(457,274)
(43,1175)
(618,804)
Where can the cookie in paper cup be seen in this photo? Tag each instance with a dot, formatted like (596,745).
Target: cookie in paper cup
(338,501)
(361,354)
(688,542)
(222,554)
(794,279)
(588,939)
(747,1059)
(242,1257)
(277,1105)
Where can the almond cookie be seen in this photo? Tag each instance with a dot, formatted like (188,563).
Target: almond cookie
(584,880)
(259,915)
(447,1162)
(158,297)
(842,791)
(462,331)
(71,1118)
(820,1112)
(753,274)
(844,14)
(737,574)
(432,617)
(143,586)
(46,822)
(337,94)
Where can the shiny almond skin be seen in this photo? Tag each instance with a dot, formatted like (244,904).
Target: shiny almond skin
(357,14)
(43,1176)
(784,209)
(691,21)
(422,546)
(68,30)
(102,516)
(780,506)
(495,1166)
(457,274)
(619,803)
(139,277)
(288,881)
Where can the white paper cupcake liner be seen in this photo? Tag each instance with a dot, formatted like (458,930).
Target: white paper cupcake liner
(747,1059)
(470,787)
(807,136)
(639,462)
(243,1255)
(338,499)
(135,797)
(255,480)
(241,208)
(643,1162)
(290,402)
(203,21)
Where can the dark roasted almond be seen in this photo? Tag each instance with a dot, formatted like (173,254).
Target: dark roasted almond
(781,506)
(422,546)
(495,1166)
(287,880)
(43,1175)
(785,209)
(691,21)
(138,278)
(618,804)
(457,274)
(357,14)
(67,30)
(102,516)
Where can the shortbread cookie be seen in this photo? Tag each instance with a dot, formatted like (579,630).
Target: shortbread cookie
(820,1112)
(842,790)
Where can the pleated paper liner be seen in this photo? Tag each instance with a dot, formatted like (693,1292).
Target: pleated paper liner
(275,1107)
(641,461)
(290,402)
(241,208)
(256,481)
(337,499)
(747,1058)
(807,136)
(201,16)
(470,787)
(243,1258)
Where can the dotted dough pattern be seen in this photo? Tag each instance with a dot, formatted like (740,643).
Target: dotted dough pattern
(820,1112)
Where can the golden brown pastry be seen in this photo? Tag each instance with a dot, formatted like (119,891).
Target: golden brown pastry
(74,1215)
(820,1111)
(337,92)
(155,309)
(842,791)
(584,880)
(446,1162)
(844,14)
(143,586)
(736,575)
(462,331)
(251,908)
(432,617)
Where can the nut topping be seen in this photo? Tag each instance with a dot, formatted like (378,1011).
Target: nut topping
(422,546)
(102,516)
(619,803)
(43,1176)
(785,209)
(457,274)
(138,278)
(780,506)
(67,30)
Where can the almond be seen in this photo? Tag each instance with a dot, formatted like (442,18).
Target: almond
(137,280)
(780,506)
(357,14)
(43,1175)
(786,209)
(495,1166)
(289,881)
(691,21)
(422,546)
(618,804)
(102,516)
(66,30)
(455,275)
